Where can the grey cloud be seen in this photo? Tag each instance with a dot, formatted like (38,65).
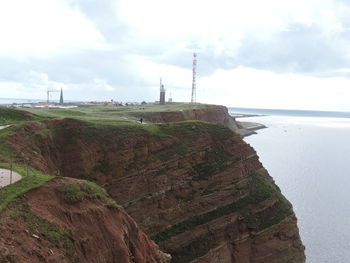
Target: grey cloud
(81,68)
(103,14)
(300,49)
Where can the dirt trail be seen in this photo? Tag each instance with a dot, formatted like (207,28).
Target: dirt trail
(5,177)
(4,127)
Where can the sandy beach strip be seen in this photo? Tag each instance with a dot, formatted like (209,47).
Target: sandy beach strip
(5,177)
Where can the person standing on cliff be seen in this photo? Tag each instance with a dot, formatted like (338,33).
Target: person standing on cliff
(141,120)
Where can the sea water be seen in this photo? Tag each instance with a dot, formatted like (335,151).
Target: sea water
(13,100)
(7,101)
(309,159)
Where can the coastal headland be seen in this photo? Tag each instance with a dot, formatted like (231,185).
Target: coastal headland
(160,183)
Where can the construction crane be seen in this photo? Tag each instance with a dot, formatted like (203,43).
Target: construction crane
(50,90)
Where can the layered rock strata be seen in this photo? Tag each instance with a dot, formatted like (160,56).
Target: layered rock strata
(210,113)
(196,188)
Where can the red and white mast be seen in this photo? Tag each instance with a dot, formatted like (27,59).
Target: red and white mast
(194,72)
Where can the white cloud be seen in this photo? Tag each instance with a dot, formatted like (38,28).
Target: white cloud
(38,27)
(102,84)
(247,87)
(33,86)
(234,38)
(222,24)
(150,72)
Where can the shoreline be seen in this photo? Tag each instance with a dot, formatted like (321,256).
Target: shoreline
(245,115)
(247,128)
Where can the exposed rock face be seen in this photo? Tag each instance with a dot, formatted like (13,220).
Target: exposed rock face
(45,227)
(212,113)
(196,188)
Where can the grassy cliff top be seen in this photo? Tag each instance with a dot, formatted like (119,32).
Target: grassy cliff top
(122,113)
(8,115)
(124,117)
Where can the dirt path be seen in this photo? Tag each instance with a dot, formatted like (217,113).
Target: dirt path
(5,177)
(4,127)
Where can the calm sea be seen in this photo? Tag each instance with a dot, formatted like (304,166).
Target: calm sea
(308,155)
(14,100)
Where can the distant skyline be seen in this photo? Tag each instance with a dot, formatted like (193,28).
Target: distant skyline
(276,54)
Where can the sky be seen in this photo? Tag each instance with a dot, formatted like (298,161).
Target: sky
(284,54)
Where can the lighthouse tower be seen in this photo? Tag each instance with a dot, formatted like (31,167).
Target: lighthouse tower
(162,93)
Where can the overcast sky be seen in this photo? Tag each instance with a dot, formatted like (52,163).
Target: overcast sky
(291,54)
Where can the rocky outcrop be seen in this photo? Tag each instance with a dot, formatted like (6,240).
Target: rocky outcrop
(68,220)
(196,188)
(210,113)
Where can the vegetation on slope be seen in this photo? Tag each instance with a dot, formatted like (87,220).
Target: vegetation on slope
(29,181)
(261,189)
(8,116)
(56,235)
(77,192)
(117,125)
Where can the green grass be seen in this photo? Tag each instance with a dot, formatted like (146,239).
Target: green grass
(32,180)
(171,107)
(5,149)
(77,192)
(115,113)
(72,192)
(105,112)
(8,116)
(269,217)
(114,126)
(213,163)
(197,248)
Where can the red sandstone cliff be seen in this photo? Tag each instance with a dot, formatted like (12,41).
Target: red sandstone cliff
(210,113)
(49,225)
(196,188)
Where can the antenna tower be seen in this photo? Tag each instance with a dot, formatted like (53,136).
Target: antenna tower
(194,72)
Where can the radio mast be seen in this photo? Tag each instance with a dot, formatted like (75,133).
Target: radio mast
(193,97)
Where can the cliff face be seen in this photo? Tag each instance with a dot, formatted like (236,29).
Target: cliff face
(212,113)
(196,188)
(68,220)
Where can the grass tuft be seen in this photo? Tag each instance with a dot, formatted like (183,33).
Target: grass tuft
(77,192)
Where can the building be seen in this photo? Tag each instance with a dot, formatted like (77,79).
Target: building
(61,97)
(162,93)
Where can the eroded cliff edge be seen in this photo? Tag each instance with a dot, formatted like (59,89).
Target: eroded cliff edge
(196,188)
(69,220)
